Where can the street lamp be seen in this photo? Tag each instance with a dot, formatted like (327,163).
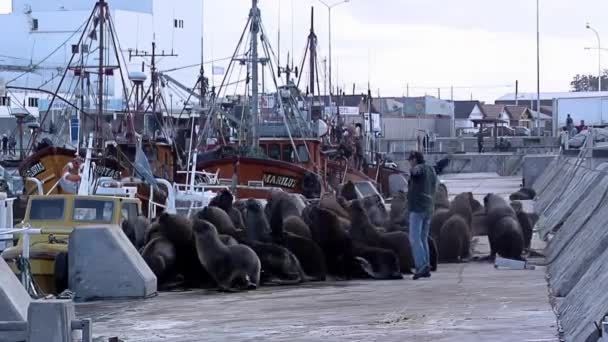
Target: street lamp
(599,54)
(329,7)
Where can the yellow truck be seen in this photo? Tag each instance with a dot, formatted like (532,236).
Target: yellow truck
(57,216)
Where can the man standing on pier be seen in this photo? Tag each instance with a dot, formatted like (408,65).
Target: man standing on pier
(422,186)
(480,140)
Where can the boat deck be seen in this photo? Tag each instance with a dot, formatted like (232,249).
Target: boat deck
(461,302)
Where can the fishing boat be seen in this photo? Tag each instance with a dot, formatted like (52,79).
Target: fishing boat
(283,147)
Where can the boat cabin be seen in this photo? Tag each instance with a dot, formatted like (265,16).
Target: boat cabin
(57,216)
(309,151)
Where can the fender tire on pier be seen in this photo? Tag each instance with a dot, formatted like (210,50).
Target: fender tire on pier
(60,272)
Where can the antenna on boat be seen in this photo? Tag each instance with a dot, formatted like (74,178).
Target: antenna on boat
(255,110)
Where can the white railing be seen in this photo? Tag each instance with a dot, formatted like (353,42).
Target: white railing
(6,220)
(25,254)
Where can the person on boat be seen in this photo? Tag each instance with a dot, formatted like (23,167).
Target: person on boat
(4,144)
(421,196)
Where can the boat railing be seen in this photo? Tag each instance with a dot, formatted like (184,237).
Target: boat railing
(6,220)
(26,273)
(207,177)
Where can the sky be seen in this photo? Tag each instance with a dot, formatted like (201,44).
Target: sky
(479,47)
(5,6)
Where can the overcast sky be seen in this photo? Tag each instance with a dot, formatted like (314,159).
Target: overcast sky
(478,46)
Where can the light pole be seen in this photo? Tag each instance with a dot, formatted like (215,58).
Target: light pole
(329,7)
(538,66)
(599,57)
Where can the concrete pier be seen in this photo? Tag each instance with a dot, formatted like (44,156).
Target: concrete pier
(461,302)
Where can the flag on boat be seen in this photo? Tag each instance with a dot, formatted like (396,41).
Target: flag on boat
(218,70)
(142,166)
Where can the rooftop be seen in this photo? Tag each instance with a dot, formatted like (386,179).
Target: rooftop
(551,96)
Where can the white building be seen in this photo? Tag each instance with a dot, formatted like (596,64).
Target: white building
(39,28)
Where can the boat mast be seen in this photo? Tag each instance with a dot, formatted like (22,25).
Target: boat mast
(313,52)
(254,104)
(101,18)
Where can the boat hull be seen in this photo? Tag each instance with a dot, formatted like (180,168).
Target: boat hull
(256,177)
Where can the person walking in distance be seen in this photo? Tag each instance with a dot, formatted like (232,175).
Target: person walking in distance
(480,140)
(422,186)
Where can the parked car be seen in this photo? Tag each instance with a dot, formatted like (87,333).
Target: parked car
(521,131)
(503,131)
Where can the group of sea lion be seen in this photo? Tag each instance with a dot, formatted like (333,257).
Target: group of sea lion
(240,245)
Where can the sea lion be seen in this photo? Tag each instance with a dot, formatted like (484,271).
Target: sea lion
(160,255)
(504,232)
(256,224)
(399,214)
(376,263)
(349,191)
(363,231)
(178,230)
(286,207)
(461,205)
(375,209)
(334,241)
(135,229)
(228,240)
(297,226)
(524,222)
(234,268)
(454,240)
(476,206)
(441,197)
(220,220)
(224,200)
(332,204)
(309,254)
(523,194)
(437,221)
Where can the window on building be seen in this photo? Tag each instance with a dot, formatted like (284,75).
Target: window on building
(34,24)
(5,101)
(178,23)
(32,102)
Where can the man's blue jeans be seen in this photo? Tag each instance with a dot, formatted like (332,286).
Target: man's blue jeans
(419,240)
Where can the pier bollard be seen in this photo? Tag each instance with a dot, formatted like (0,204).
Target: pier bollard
(50,321)
(104,264)
(14,300)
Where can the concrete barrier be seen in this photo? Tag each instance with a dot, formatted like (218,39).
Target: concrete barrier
(573,254)
(587,209)
(547,176)
(587,302)
(14,300)
(556,187)
(103,264)
(583,184)
(51,321)
(534,166)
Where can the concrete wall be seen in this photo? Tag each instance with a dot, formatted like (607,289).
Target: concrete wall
(573,204)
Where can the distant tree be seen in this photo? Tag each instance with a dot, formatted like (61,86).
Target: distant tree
(588,82)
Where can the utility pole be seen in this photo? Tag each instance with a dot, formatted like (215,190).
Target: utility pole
(538,65)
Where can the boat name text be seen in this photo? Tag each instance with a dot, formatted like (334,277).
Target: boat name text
(278,180)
